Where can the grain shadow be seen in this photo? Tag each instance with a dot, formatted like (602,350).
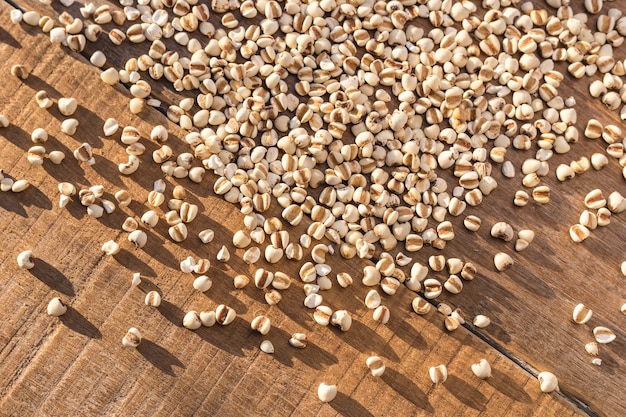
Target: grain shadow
(82,113)
(147,285)
(202,222)
(612,356)
(133,263)
(609,364)
(156,249)
(37,84)
(312,355)
(199,192)
(159,357)
(77,322)
(8,39)
(315,357)
(503,383)
(530,282)
(36,198)
(52,277)
(108,169)
(172,313)
(17,136)
(147,168)
(465,393)
(69,170)
(231,338)
(407,389)
(490,292)
(76,209)
(112,220)
(219,296)
(348,407)
(402,328)
(283,352)
(12,204)
(295,310)
(220,266)
(495,331)
(364,339)
(542,254)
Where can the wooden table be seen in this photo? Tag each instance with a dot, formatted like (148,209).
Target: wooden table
(76,365)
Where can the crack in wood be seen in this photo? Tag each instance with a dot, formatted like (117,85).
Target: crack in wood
(577,402)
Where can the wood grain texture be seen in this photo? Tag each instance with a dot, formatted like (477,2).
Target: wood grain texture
(76,364)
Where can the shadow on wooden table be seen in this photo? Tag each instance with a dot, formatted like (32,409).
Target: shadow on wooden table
(87,129)
(147,285)
(76,210)
(113,220)
(133,263)
(545,256)
(32,196)
(526,279)
(503,383)
(402,327)
(37,84)
(223,296)
(611,355)
(202,222)
(233,342)
(465,393)
(230,338)
(408,389)
(160,357)
(69,170)
(52,277)
(172,313)
(490,294)
(77,322)
(12,204)
(152,171)
(312,355)
(291,306)
(155,247)
(108,169)
(7,39)
(348,407)
(495,331)
(364,339)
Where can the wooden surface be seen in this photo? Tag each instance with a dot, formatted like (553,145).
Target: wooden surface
(76,364)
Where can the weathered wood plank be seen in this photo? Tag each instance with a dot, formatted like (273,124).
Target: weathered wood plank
(220,370)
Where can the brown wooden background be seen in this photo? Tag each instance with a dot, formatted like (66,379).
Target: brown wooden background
(76,365)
